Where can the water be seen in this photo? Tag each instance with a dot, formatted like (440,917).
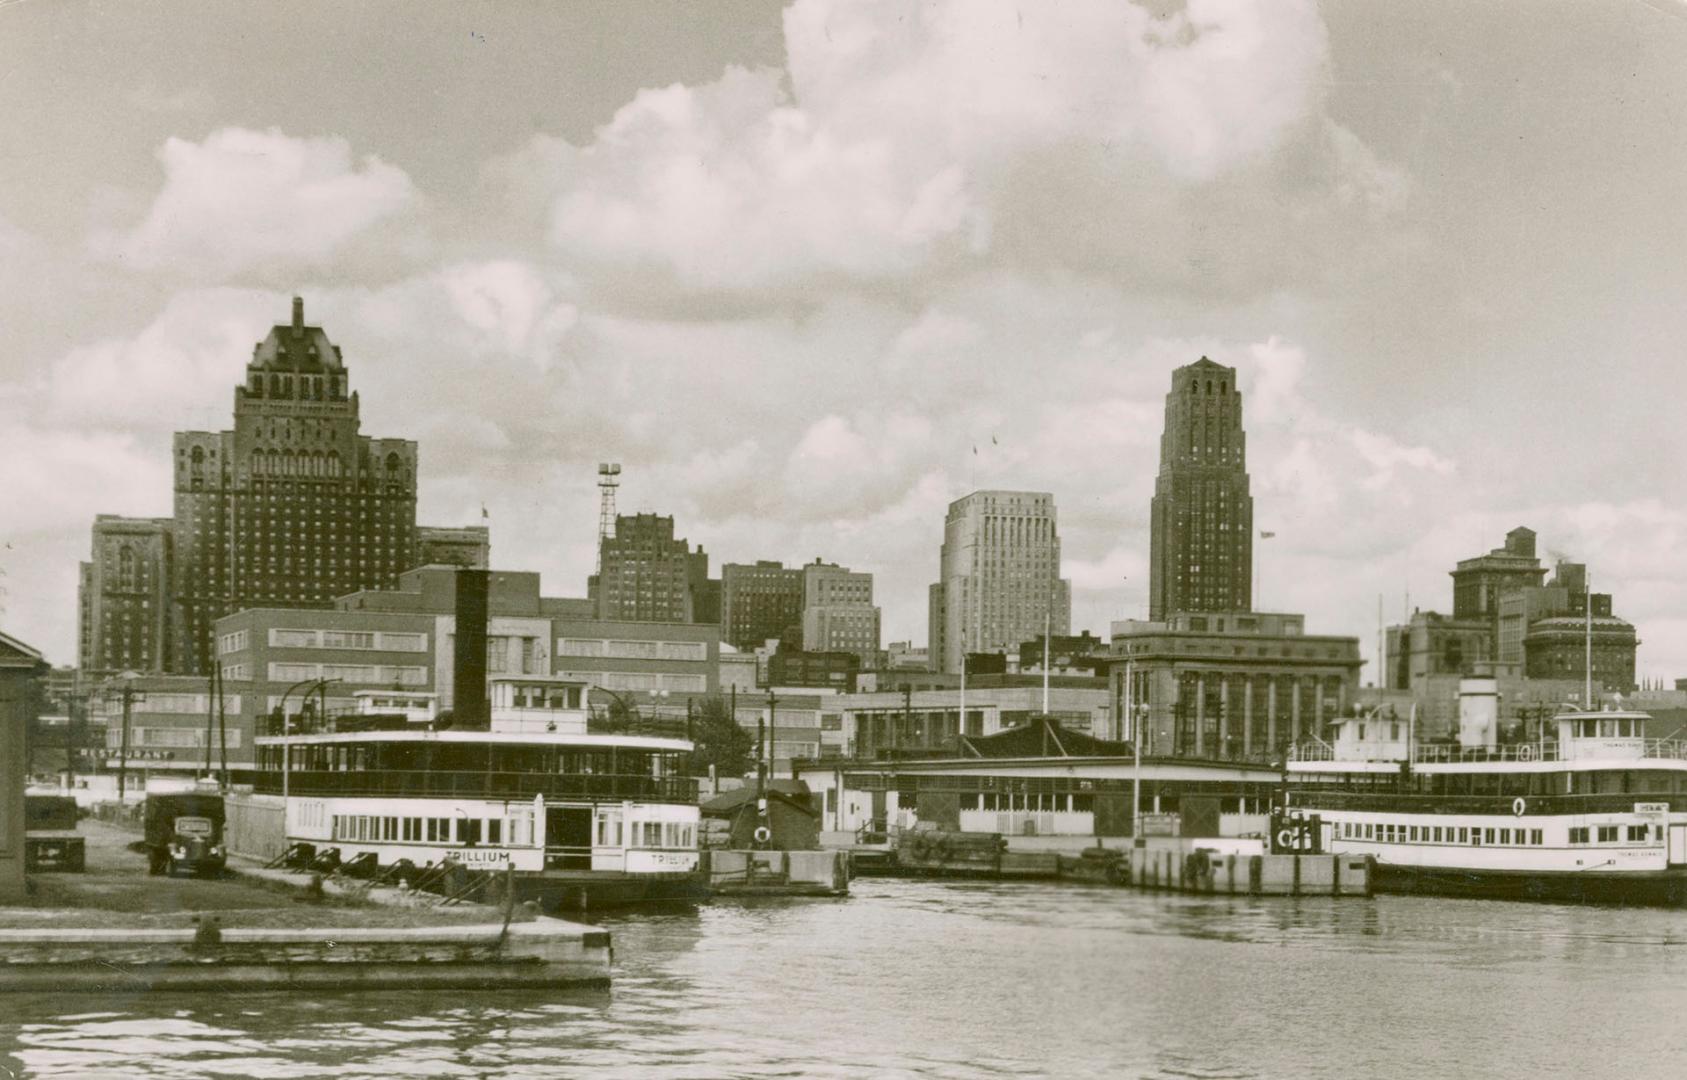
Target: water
(921,979)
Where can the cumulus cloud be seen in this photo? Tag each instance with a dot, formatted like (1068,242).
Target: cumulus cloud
(245,199)
(900,140)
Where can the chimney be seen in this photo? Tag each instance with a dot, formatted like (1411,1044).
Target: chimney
(469,708)
(298,316)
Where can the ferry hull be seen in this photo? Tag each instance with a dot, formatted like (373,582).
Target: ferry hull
(596,890)
(1662,888)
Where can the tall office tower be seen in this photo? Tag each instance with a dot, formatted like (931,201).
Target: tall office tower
(1201,532)
(292,508)
(760,601)
(999,576)
(125,596)
(1479,583)
(647,574)
(838,613)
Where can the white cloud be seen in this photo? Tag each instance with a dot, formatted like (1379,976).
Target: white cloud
(245,200)
(896,140)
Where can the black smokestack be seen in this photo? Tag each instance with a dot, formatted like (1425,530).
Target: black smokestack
(468,682)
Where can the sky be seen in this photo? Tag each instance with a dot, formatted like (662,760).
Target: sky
(811,271)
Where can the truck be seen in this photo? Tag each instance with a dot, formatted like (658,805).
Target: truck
(184,833)
(50,839)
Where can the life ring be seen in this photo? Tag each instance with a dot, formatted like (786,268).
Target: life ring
(1287,840)
(1525,753)
(763,834)
(1519,805)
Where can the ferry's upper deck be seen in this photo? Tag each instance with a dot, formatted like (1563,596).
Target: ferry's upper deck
(1573,740)
(540,741)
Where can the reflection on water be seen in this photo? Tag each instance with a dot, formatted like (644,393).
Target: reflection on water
(939,980)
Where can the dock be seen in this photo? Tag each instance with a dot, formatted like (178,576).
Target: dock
(1180,864)
(116,927)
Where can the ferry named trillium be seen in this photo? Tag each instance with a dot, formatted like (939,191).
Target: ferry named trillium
(1588,810)
(584,819)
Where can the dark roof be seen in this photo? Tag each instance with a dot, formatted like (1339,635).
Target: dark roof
(1040,738)
(794,792)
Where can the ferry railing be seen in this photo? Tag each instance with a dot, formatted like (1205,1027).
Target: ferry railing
(420,783)
(1667,749)
(1502,805)
(1448,754)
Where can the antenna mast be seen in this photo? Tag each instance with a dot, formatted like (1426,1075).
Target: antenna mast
(608,479)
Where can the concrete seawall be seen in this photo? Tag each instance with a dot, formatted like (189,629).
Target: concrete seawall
(547,953)
(1187,866)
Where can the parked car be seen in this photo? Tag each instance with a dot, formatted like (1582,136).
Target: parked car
(184,832)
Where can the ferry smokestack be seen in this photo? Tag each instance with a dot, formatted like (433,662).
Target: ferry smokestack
(468,671)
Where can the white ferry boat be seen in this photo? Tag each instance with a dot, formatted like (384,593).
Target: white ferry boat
(584,819)
(1589,810)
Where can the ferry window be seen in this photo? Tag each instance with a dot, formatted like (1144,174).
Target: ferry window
(1368,834)
(471,831)
(1505,836)
(389,830)
(652,834)
(1487,836)
(1464,835)
(1578,835)
(1607,834)
(1413,834)
(1535,837)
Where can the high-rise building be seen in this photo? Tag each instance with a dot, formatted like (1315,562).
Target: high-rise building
(295,506)
(469,547)
(647,574)
(1201,532)
(1479,583)
(759,602)
(999,577)
(292,508)
(125,601)
(838,613)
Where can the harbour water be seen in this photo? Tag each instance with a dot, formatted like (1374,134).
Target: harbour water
(927,979)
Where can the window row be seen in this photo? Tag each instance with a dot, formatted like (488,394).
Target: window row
(468,831)
(1393,833)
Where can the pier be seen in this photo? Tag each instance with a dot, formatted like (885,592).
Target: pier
(114,927)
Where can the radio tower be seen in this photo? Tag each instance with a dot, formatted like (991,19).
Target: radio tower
(608,479)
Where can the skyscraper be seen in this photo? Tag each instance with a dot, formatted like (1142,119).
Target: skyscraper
(295,506)
(838,614)
(999,576)
(292,508)
(760,601)
(648,575)
(1201,533)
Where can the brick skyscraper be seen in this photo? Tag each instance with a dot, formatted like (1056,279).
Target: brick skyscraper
(294,507)
(1201,539)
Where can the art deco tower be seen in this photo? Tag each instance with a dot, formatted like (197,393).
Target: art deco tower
(292,508)
(1201,542)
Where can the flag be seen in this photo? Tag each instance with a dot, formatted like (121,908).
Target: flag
(975,451)
(484,516)
(1263,535)
(993,441)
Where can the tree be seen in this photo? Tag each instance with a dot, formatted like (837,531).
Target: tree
(719,740)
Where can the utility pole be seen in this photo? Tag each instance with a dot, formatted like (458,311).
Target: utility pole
(128,695)
(1136,750)
(772,733)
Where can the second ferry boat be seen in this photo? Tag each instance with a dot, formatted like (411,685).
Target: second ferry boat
(583,819)
(1587,810)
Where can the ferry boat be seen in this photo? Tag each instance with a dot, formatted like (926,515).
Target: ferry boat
(1590,810)
(583,819)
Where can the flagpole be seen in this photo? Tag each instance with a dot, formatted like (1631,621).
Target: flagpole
(1047,615)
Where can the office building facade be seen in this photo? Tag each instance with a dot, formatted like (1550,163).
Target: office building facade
(760,602)
(646,573)
(999,577)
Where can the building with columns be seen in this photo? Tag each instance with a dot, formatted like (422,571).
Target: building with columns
(1238,686)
